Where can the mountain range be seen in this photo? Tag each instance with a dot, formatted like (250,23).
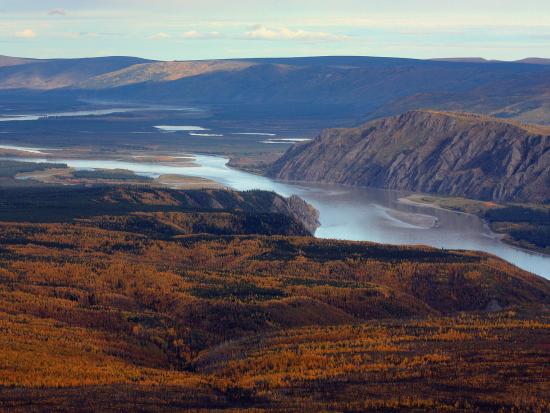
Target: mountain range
(369,87)
(37,74)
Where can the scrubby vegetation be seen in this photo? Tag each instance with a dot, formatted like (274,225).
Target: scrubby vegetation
(528,226)
(524,225)
(155,310)
(115,174)
(257,211)
(8,168)
(519,214)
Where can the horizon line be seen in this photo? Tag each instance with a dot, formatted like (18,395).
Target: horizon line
(456,59)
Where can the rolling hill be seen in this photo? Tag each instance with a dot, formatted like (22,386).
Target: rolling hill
(140,299)
(365,87)
(528,60)
(535,61)
(57,73)
(372,87)
(14,61)
(160,72)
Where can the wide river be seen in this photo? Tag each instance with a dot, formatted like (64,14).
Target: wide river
(359,214)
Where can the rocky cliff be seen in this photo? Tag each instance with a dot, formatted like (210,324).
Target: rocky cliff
(454,154)
(299,210)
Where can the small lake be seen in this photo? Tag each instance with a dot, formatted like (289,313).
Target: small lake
(359,214)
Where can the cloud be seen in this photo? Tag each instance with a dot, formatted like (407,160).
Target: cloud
(57,12)
(190,35)
(260,32)
(26,34)
(89,34)
(159,36)
(193,34)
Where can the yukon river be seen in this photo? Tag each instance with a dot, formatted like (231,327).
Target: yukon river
(359,214)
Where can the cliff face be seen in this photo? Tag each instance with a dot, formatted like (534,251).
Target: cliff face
(446,153)
(299,210)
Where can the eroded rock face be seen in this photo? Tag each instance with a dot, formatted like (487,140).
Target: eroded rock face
(303,212)
(446,153)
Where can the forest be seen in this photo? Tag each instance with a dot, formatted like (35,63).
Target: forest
(140,299)
(10,168)
(527,226)
(524,225)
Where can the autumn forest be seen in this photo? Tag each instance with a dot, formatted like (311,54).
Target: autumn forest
(139,299)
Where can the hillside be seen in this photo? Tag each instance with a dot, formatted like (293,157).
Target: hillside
(452,154)
(528,60)
(535,61)
(371,87)
(13,61)
(110,311)
(173,212)
(58,73)
(160,72)
(360,87)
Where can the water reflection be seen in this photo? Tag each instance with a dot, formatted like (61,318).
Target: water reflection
(352,213)
(90,112)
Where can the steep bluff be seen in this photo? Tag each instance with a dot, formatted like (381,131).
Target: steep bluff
(247,212)
(454,154)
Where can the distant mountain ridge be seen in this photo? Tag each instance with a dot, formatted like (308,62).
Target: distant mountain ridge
(454,154)
(17,73)
(360,87)
(527,60)
(13,61)
(535,61)
(160,72)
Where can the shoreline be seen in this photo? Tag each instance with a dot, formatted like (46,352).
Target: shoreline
(518,260)
(500,236)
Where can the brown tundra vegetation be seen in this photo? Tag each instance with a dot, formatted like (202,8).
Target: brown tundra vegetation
(160,306)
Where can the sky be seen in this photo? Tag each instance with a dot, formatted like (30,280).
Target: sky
(207,29)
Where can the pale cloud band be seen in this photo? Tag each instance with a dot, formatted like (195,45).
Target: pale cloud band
(57,12)
(257,32)
(189,35)
(159,36)
(196,35)
(260,32)
(498,29)
(26,34)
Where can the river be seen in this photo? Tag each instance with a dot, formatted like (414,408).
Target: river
(359,214)
(90,112)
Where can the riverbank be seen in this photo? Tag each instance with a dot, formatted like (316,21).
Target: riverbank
(73,176)
(346,213)
(524,226)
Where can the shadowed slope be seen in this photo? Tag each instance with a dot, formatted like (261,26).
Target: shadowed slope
(59,73)
(428,151)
